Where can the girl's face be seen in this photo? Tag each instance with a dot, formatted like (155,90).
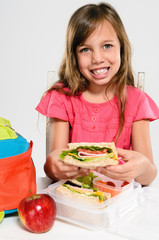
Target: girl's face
(99,56)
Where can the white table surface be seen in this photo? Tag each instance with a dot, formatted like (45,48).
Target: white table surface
(11,227)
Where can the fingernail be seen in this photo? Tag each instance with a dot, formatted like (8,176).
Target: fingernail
(108,167)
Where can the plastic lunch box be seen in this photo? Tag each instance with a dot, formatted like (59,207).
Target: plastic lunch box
(109,185)
(134,213)
(92,217)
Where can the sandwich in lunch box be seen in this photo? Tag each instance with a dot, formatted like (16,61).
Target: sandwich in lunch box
(72,190)
(90,155)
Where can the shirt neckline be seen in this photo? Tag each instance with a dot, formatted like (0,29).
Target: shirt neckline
(98,104)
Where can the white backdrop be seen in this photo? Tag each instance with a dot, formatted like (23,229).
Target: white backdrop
(32,38)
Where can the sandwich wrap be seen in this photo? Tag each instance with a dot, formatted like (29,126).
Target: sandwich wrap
(90,155)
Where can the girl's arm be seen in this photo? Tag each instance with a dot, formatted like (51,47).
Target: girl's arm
(58,134)
(58,140)
(141,142)
(139,161)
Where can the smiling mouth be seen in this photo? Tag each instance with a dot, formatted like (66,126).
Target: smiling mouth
(100,71)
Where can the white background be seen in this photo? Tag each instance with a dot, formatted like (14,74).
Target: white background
(32,39)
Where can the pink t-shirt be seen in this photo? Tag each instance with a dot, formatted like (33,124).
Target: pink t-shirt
(99,122)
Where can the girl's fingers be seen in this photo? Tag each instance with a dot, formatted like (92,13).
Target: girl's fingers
(121,172)
(71,174)
(124,168)
(127,176)
(123,153)
(69,171)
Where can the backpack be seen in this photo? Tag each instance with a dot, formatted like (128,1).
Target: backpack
(17,170)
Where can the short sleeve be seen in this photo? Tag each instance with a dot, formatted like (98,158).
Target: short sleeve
(147,109)
(52,105)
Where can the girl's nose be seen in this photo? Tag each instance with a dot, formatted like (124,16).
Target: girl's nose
(97,57)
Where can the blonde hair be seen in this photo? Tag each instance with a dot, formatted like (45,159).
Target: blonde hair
(82,23)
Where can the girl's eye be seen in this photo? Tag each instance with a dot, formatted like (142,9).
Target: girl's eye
(84,50)
(106,46)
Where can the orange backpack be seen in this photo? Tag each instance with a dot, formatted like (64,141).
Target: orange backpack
(17,179)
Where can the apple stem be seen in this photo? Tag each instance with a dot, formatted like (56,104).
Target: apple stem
(32,196)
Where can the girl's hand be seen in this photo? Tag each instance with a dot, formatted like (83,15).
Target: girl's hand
(56,169)
(136,164)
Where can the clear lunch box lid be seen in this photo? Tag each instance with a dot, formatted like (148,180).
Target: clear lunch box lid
(93,217)
(141,220)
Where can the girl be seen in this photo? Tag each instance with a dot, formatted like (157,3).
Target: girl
(95,99)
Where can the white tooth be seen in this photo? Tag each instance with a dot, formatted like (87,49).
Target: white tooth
(100,71)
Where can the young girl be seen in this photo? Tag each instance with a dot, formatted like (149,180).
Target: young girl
(95,99)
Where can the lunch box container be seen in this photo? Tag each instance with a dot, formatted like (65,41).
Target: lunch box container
(88,215)
(109,185)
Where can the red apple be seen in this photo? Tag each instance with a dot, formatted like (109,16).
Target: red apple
(37,212)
